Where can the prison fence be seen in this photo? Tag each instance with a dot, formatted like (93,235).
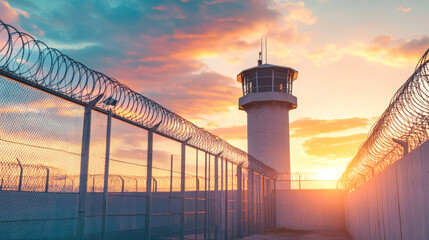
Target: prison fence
(401,128)
(323,179)
(82,156)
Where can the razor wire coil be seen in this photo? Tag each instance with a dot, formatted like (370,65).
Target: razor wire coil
(406,119)
(23,56)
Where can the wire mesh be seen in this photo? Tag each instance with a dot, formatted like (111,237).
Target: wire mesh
(43,99)
(32,61)
(39,157)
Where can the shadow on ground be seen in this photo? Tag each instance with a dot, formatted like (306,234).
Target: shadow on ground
(289,234)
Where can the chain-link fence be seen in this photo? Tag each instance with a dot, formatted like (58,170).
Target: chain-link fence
(84,157)
(322,179)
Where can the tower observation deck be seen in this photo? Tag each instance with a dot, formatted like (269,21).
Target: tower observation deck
(267,99)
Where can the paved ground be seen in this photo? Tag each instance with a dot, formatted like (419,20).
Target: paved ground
(287,234)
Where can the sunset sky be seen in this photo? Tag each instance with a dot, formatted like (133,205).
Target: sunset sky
(351,57)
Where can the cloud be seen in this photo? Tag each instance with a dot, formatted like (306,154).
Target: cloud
(403,9)
(9,14)
(334,147)
(296,12)
(383,49)
(157,47)
(306,127)
(231,133)
(199,94)
(392,51)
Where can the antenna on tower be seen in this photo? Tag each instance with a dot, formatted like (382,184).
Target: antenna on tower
(260,56)
(266,51)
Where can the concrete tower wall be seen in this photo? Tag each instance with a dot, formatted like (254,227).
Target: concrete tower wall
(268,133)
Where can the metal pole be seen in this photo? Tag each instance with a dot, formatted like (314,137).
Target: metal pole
(122,180)
(93,183)
(226,199)
(208,205)
(259,203)
(155,184)
(106,176)
(251,189)
(47,180)
(20,175)
(275,203)
(240,200)
(149,180)
(196,193)
(403,144)
(205,198)
(269,203)
(263,203)
(182,189)
(83,183)
(222,200)
(249,208)
(216,196)
(171,189)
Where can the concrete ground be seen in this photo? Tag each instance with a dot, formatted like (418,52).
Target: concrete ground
(287,234)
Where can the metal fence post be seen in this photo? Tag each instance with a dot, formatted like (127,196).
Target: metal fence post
(21,171)
(106,176)
(226,200)
(275,203)
(206,199)
(262,202)
(197,187)
(182,189)
(258,219)
(251,206)
(216,196)
(149,181)
(209,197)
(171,189)
(240,199)
(123,182)
(47,180)
(83,183)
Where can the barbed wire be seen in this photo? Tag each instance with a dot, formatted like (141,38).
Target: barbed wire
(328,175)
(15,176)
(406,119)
(24,57)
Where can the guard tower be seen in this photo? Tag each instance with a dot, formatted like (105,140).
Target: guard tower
(267,99)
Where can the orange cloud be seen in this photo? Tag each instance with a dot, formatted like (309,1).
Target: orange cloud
(383,49)
(296,12)
(171,72)
(390,51)
(9,14)
(334,147)
(231,133)
(306,127)
(403,9)
(200,94)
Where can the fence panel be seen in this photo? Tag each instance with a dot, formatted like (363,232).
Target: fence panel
(40,145)
(83,156)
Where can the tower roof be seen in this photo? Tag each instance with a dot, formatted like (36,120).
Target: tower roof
(266,65)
